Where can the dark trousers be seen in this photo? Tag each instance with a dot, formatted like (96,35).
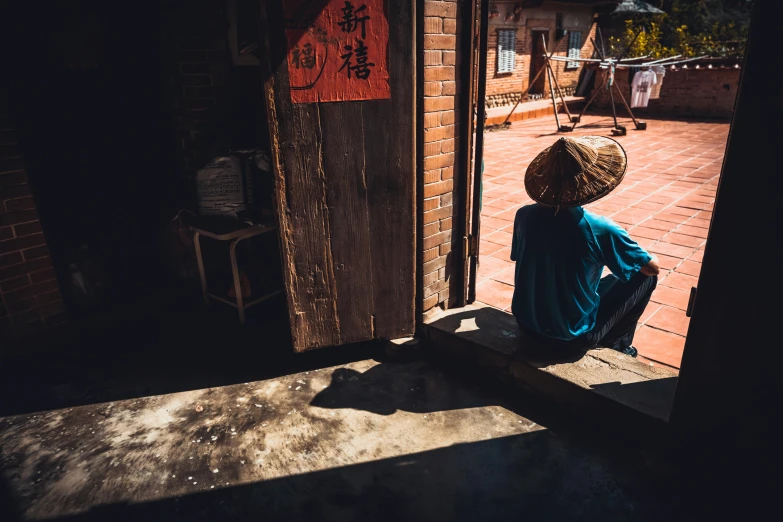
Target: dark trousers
(619,310)
(621,306)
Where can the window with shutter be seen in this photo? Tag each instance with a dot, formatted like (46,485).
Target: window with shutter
(574,48)
(507,54)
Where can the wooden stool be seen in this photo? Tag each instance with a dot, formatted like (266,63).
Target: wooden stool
(236,233)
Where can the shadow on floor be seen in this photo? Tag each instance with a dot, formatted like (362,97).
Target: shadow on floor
(167,344)
(538,474)
(388,387)
(606,123)
(548,474)
(598,126)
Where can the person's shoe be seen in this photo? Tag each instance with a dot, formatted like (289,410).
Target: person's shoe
(629,351)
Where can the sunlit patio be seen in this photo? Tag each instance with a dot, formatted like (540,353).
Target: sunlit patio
(665,202)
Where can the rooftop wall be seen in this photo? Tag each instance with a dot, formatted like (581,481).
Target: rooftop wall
(703,93)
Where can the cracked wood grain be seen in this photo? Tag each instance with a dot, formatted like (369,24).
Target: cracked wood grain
(345,192)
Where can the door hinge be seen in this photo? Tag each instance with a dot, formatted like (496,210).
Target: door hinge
(472,245)
(691,302)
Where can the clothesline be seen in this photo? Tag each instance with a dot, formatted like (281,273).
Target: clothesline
(645,83)
(664,59)
(666,64)
(619,65)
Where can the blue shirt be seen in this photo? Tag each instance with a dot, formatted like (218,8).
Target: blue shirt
(559,260)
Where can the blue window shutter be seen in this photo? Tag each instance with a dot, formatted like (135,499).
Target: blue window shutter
(506,54)
(574,48)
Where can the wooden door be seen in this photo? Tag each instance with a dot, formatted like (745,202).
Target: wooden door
(345,170)
(537,61)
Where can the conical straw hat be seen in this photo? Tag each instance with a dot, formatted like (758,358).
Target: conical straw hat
(576,171)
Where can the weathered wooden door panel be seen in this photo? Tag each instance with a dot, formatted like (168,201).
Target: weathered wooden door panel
(345,187)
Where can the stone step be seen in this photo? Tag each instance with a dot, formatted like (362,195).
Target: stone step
(601,382)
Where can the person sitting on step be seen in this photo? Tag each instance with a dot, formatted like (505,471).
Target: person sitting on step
(560,249)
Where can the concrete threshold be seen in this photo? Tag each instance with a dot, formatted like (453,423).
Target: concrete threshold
(367,440)
(602,381)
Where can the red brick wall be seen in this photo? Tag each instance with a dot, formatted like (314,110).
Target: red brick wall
(504,88)
(200,72)
(498,83)
(688,92)
(29,293)
(441,136)
(442,173)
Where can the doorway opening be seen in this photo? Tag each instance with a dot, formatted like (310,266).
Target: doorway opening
(665,201)
(538,38)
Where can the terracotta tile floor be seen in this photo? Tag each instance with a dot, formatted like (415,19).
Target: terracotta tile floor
(665,202)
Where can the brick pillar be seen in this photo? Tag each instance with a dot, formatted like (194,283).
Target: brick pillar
(29,293)
(441,19)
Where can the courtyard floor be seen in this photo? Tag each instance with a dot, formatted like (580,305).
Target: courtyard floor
(665,202)
(367,440)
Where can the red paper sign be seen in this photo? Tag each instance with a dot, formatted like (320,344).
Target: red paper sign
(337,50)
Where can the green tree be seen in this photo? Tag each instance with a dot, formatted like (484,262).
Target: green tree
(689,28)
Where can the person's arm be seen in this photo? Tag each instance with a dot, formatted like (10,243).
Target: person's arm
(651,268)
(621,254)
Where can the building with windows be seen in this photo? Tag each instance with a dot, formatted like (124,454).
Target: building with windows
(518,34)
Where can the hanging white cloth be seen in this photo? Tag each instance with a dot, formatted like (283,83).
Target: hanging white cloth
(660,72)
(641,87)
